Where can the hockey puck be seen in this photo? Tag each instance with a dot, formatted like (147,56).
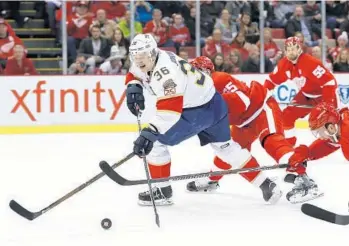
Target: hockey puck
(106,223)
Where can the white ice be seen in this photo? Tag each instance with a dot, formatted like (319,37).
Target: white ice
(38,169)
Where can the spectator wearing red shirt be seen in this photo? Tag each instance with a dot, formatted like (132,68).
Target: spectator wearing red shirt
(115,9)
(342,42)
(241,45)
(78,27)
(19,64)
(271,50)
(178,32)
(216,45)
(7,42)
(158,29)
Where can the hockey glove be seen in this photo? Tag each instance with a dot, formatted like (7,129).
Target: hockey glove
(144,143)
(298,159)
(135,98)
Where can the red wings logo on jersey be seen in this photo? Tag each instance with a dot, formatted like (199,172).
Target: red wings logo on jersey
(299,81)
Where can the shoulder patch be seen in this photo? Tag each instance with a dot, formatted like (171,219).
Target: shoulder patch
(169,87)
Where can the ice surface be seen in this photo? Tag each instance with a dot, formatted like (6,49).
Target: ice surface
(38,169)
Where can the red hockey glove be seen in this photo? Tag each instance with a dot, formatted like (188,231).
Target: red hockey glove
(301,155)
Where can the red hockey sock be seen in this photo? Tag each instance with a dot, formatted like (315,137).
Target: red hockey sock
(221,165)
(162,171)
(250,176)
(277,146)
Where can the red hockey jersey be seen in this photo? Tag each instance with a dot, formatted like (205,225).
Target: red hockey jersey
(310,76)
(244,102)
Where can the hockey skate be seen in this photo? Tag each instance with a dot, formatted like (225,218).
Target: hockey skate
(271,191)
(162,196)
(202,185)
(305,189)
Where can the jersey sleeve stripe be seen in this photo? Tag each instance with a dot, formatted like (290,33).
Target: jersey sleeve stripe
(173,104)
(331,82)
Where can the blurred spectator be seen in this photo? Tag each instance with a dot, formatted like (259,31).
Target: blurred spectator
(234,62)
(115,9)
(168,8)
(249,28)
(80,67)
(299,24)
(125,27)
(143,11)
(113,65)
(178,32)
(107,26)
(186,8)
(120,42)
(342,42)
(78,27)
(158,29)
(96,49)
(227,27)
(268,13)
(216,45)
(51,7)
(213,8)
(219,63)
(1,71)
(182,53)
(7,42)
(235,8)
(316,52)
(204,27)
(252,64)
(283,10)
(336,13)
(341,62)
(241,45)
(19,64)
(271,50)
(312,12)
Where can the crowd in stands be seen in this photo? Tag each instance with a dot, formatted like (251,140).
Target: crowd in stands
(99,33)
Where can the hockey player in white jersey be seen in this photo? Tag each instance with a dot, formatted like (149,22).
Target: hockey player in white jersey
(187,105)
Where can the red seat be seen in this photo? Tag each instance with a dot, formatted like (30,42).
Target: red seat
(278,33)
(329,33)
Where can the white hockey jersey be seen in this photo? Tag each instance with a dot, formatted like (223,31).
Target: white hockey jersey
(176,84)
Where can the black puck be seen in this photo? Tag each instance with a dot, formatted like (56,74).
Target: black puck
(106,223)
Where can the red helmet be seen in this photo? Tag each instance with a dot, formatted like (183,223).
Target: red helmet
(322,114)
(203,63)
(293,41)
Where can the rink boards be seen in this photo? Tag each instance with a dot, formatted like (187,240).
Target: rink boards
(73,104)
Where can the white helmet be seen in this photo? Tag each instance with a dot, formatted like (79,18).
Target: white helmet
(143,51)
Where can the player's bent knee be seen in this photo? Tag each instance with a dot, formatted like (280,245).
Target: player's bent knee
(159,154)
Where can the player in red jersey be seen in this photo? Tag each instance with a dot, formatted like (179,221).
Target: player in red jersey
(331,127)
(315,83)
(254,113)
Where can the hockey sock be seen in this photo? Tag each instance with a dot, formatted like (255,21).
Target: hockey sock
(276,146)
(160,171)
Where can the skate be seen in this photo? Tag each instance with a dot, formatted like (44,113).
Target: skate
(305,189)
(271,191)
(162,196)
(202,185)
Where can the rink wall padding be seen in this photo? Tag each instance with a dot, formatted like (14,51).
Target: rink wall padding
(93,104)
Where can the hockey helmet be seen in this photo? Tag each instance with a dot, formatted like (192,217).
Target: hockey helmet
(203,63)
(293,48)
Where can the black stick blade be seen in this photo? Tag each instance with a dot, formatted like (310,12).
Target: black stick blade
(109,171)
(16,207)
(322,214)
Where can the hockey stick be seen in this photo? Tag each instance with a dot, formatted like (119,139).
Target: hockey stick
(107,169)
(157,218)
(322,214)
(20,210)
(296,105)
